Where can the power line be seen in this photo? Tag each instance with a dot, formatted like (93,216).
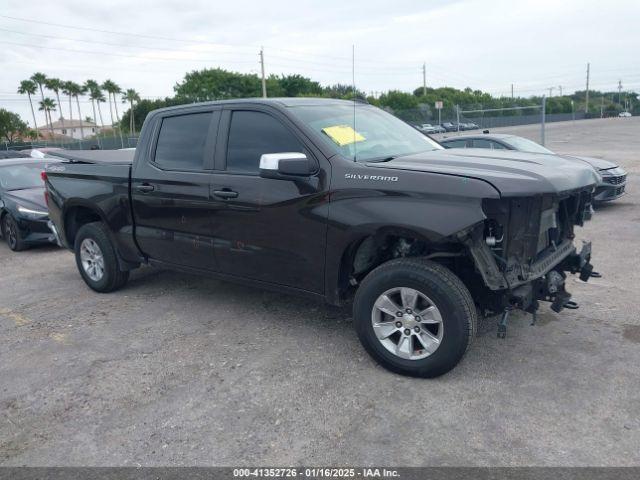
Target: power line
(127,34)
(159,37)
(146,47)
(96,42)
(375,62)
(117,54)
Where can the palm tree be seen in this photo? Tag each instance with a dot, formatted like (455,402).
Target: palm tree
(92,87)
(55,85)
(39,79)
(67,88)
(28,88)
(47,105)
(98,96)
(74,90)
(131,96)
(80,90)
(112,89)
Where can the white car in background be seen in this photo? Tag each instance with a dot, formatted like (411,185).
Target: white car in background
(625,114)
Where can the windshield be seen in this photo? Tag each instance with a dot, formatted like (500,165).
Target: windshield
(377,135)
(18,177)
(526,145)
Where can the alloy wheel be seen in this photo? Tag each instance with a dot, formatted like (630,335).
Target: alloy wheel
(407,323)
(92,259)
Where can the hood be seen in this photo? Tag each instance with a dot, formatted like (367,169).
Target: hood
(29,197)
(511,172)
(597,163)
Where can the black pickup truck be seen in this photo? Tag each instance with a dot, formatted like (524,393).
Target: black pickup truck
(287,194)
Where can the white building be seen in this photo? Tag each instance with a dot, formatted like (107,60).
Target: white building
(71,129)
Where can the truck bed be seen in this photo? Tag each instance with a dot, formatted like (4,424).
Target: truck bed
(111,157)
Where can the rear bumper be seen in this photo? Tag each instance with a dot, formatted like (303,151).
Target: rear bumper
(54,230)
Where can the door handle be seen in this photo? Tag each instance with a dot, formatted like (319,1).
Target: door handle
(145,188)
(225,193)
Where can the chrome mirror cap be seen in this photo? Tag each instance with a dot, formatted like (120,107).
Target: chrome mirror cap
(271,161)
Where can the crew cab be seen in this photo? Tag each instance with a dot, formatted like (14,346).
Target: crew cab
(338,201)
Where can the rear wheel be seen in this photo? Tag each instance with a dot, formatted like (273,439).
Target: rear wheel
(97,260)
(415,317)
(11,233)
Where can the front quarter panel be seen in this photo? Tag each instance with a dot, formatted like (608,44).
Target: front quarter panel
(366,200)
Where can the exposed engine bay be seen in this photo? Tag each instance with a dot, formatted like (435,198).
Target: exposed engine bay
(525,248)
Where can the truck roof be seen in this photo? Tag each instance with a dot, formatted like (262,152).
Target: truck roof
(114,157)
(276,101)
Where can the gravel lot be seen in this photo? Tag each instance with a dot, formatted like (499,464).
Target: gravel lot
(182,370)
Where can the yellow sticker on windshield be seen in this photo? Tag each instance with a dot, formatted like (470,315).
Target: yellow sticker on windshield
(343,135)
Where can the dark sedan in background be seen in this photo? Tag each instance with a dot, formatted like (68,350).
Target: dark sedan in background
(11,154)
(23,211)
(614,177)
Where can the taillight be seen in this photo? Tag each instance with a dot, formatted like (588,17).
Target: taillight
(43,176)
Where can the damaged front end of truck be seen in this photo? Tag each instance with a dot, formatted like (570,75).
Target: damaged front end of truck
(524,250)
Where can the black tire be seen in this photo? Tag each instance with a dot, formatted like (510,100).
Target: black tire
(11,234)
(449,295)
(113,277)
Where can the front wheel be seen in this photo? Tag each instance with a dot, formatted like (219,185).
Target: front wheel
(96,259)
(415,317)
(11,233)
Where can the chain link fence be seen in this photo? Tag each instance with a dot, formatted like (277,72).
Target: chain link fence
(112,142)
(472,117)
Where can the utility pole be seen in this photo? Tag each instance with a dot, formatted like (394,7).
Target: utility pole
(512,91)
(602,106)
(586,97)
(560,88)
(264,82)
(543,119)
(551,91)
(424,79)
(620,92)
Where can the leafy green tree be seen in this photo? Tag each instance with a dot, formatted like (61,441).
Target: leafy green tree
(12,126)
(340,90)
(298,86)
(142,108)
(397,100)
(217,84)
(28,88)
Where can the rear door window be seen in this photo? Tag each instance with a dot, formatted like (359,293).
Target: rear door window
(182,140)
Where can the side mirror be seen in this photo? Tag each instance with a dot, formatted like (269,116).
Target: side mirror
(285,165)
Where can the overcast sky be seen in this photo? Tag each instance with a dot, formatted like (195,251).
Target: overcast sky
(484,44)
